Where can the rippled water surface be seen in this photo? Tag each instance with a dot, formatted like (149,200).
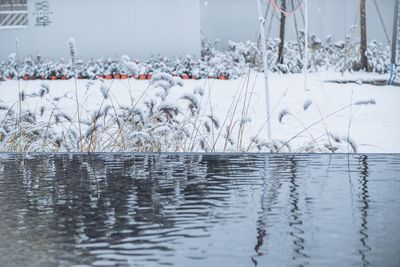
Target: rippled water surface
(199,210)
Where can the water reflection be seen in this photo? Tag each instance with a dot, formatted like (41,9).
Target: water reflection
(191,210)
(295,222)
(364,207)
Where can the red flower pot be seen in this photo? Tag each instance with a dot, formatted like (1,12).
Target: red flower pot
(185,76)
(26,77)
(142,77)
(42,77)
(63,77)
(117,76)
(53,78)
(108,77)
(223,77)
(149,76)
(124,76)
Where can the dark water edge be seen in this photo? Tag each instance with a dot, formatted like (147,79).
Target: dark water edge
(199,209)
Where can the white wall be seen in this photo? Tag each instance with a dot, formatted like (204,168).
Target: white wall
(237,20)
(138,28)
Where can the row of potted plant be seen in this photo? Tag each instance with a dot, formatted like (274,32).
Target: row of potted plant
(189,67)
(213,63)
(122,76)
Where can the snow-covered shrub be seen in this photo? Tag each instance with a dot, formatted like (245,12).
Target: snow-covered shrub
(342,56)
(378,57)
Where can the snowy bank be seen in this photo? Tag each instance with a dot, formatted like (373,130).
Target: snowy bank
(239,109)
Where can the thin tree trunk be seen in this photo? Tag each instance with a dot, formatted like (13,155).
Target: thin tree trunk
(363,39)
(282,34)
(395,32)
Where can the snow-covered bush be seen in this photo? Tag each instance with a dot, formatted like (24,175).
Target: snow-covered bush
(342,56)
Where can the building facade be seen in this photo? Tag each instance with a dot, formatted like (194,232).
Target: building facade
(101,28)
(237,20)
(140,28)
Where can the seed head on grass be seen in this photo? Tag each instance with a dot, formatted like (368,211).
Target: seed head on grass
(104,89)
(44,89)
(198,90)
(207,126)
(283,114)
(161,130)
(245,120)
(214,121)
(203,145)
(194,104)
(365,102)
(335,138)
(331,148)
(307,104)
(66,117)
(72,50)
(352,144)
(137,115)
(41,110)
(106,109)
(3,106)
(22,96)
(170,109)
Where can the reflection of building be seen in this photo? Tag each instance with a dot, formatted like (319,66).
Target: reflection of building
(137,28)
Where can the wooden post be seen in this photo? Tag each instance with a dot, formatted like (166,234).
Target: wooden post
(282,34)
(363,37)
(395,30)
(394,43)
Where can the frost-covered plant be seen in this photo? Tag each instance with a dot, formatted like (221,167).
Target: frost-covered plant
(160,124)
(35,129)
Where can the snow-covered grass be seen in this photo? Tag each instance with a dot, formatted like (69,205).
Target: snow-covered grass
(201,115)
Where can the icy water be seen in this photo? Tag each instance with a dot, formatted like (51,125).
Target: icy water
(199,210)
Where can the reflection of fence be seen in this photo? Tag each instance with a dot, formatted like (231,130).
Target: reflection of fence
(13,19)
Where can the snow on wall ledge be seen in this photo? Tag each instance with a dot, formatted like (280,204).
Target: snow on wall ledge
(138,28)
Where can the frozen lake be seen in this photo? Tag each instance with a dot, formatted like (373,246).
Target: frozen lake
(199,210)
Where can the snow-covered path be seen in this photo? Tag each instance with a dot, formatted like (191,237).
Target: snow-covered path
(374,128)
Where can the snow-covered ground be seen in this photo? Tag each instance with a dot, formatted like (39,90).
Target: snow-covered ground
(374,128)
